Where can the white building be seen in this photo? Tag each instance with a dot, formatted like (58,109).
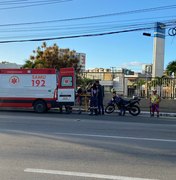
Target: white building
(82,60)
(80,56)
(147,69)
(8,65)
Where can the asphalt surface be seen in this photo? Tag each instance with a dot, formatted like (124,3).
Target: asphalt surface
(73,146)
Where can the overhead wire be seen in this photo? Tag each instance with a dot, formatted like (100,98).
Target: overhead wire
(94,16)
(73,36)
(24,1)
(84,26)
(64,30)
(104,30)
(90,28)
(31,4)
(87,24)
(82,30)
(77,36)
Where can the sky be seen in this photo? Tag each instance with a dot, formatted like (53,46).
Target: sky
(40,19)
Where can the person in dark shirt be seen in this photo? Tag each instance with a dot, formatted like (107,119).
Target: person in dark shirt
(100,97)
(121,103)
(93,99)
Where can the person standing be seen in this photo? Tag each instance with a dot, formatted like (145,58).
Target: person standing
(93,99)
(79,98)
(154,103)
(118,99)
(100,97)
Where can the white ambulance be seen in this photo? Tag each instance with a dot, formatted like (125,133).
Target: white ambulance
(41,89)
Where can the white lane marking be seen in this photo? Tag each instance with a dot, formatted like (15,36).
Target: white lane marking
(90,135)
(81,174)
(118,137)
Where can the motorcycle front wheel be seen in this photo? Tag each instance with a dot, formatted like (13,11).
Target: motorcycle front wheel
(109,109)
(134,110)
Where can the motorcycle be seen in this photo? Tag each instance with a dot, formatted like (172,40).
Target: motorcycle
(132,106)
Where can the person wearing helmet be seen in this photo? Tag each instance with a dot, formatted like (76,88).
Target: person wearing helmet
(154,102)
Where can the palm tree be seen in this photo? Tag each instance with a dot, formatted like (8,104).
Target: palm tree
(171,68)
(159,82)
(44,45)
(138,85)
(28,64)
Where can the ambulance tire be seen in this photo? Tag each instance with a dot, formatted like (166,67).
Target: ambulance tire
(40,106)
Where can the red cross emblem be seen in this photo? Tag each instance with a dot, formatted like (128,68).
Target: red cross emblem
(66,81)
(14,80)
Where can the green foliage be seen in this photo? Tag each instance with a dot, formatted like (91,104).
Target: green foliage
(139,83)
(83,82)
(157,81)
(52,57)
(171,67)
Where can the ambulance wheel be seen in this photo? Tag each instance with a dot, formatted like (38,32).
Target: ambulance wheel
(40,106)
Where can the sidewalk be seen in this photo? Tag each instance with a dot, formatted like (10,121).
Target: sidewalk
(169,112)
(164,114)
(143,112)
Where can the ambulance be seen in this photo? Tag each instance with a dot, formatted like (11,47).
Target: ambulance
(40,89)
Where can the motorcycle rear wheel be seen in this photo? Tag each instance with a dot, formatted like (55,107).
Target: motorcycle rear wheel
(109,109)
(134,110)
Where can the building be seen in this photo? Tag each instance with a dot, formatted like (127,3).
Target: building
(111,78)
(147,69)
(80,56)
(8,65)
(99,74)
(82,60)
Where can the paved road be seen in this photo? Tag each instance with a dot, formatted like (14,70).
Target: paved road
(68,147)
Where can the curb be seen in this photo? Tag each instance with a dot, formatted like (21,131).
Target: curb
(165,114)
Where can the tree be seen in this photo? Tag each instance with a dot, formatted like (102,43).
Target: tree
(138,86)
(84,82)
(28,64)
(171,68)
(53,57)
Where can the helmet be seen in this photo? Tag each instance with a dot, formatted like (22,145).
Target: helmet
(113,90)
(154,90)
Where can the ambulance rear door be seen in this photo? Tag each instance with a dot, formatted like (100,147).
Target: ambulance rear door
(66,86)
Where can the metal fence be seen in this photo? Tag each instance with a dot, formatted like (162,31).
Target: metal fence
(139,86)
(142,87)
